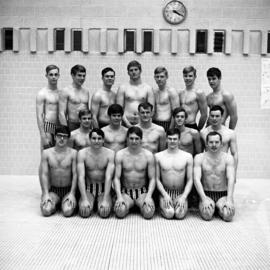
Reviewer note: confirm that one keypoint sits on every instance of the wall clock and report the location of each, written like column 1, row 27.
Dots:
column 174, row 12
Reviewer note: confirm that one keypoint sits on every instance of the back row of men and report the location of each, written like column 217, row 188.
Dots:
column 62, row 106
column 58, row 171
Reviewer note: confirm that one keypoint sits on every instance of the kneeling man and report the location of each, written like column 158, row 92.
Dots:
column 173, row 166
column 134, row 170
column 58, row 175
column 214, row 179
column 95, row 168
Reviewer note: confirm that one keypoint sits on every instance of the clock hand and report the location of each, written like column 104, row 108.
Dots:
column 176, row 12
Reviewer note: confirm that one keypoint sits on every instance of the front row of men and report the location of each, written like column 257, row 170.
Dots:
column 128, row 177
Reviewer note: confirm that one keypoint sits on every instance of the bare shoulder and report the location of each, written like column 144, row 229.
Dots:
column 108, row 152
column 186, row 155
column 198, row 158
column 147, row 153
column 96, row 95
column 106, row 129
column 172, row 90
column 74, row 133
column 228, row 158
column 82, row 152
column 158, row 128
column 73, row 152
column 159, row 155
column 121, row 153
column 200, row 93
column 193, row 131
column 227, row 96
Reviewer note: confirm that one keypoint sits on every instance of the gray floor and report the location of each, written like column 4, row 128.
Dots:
column 30, row 241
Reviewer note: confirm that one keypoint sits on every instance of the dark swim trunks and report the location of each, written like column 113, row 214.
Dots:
column 134, row 193
column 194, row 126
column 173, row 193
column 215, row 195
column 96, row 189
column 60, row 191
column 164, row 124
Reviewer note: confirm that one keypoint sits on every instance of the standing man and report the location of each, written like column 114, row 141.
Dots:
column 131, row 94
column 95, row 171
column 73, row 98
column 214, row 179
column 154, row 136
column 166, row 99
column 228, row 135
column 58, row 176
column 115, row 133
column 193, row 100
column 190, row 138
column 47, row 107
column 103, row 98
column 173, row 177
column 134, row 179
column 222, row 98
column 80, row 137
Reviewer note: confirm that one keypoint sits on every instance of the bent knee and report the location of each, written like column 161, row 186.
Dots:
column 181, row 213
column 47, row 210
column 227, row 216
column 167, row 212
column 147, row 211
column 104, row 214
column 206, row 214
column 121, row 211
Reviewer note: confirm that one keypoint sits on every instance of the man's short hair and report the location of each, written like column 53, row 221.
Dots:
column 50, row 67
column 189, row 69
column 84, row 112
column 173, row 131
column 115, row 108
column 145, row 106
column 105, row 70
column 63, row 130
column 135, row 130
column 213, row 133
column 134, row 63
column 161, row 69
column 178, row 110
column 213, row 72
column 98, row 131
column 77, row 68
column 216, row 108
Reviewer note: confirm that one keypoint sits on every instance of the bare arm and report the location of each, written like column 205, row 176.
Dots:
column 95, row 106
column 40, row 104
column 174, row 98
column 197, row 176
column 160, row 186
column 117, row 174
column 202, row 103
column 231, row 106
column 189, row 176
column 234, row 150
column 44, row 174
column 151, row 97
column 230, row 173
column 109, row 175
column 162, row 140
column 81, row 174
column 74, row 173
column 202, row 139
column 151, row 175
column 197, row 142
column 63, row 101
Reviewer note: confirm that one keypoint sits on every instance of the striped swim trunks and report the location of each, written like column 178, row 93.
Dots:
column 134, row 193
column 60, row 191
column 96, row 189
column 215, row 195
column 49, row 127
column 173, row 193
column 164, row 124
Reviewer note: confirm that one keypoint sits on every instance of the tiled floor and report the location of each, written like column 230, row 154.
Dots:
column 30, row 241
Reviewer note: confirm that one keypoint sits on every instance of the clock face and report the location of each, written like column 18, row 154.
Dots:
column 174, row 12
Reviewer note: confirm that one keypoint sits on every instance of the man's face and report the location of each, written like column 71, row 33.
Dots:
column 134, row 140
column 116, row 118
column 86, row 120
column 215, row 118
column 79, row 78
column 189, row 78
column 134, row 73
column 214, row 81
column 180, row 119
column 96, row 140
column 61, row 139
column 108, row 78
column 53, row 76
column 214, row 143
column 145, row 114
column 161, row 79
column 172, row 141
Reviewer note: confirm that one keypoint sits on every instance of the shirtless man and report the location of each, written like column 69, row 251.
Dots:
column 95, row 171
column 214, row 179
column 189, row 138
column 193, row 100
column 80, row 137
column 154, row 136
column 131, row 94
column 166, row 99
column 115, row 133
column 222, row 98
column 47, row 107
column 228, row 135
column 174, row 169
column 103, row 98
column 73, row 98
column 58, row 176
column 133, row 166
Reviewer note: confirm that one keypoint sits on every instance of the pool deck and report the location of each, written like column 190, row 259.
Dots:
column 31, row 241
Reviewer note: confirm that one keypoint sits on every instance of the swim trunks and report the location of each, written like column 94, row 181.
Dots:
column 49, row 127
column 60, row 191
column 102, row 124
column 173, row 193
column 194, row 126
column 72, row 125
column 164, row 124
column 215, row 195
column 96, row 189
column 134, row 193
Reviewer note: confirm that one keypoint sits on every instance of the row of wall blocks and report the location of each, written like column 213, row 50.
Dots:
column 139, row 33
